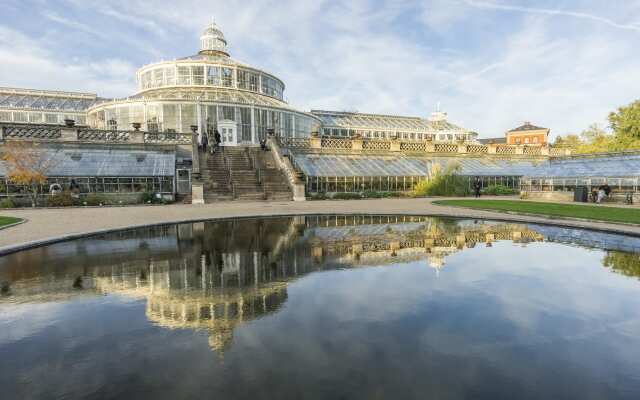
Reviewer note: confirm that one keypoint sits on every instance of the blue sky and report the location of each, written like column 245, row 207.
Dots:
column 492, row 64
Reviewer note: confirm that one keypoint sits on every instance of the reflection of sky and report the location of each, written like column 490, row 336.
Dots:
column 544, row 320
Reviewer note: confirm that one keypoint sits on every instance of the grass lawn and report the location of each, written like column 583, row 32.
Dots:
column 594, row 212
column 8, row 220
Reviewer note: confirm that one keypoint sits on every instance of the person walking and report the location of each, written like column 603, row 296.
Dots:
column 477, row 186
column 205, row 142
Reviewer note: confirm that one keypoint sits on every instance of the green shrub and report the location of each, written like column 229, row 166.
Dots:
column 7, row 203
column 347, row 196
column 148, row 197
column 95, row 199
column 498, row 190
column 443, row 183
column 63, row 199
column 318, row 196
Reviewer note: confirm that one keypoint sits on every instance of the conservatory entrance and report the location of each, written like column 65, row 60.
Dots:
column 228, row 132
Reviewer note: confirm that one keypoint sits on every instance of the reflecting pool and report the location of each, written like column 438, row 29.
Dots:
column 324, row 307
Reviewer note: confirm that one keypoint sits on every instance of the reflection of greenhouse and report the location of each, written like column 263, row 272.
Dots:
column 213, row 277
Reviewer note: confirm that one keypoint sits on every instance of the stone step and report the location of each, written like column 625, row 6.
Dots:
column 250, row 196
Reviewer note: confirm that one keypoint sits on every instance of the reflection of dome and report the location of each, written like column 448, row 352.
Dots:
column 436, row 261
column 217, row 313
column 220, row 339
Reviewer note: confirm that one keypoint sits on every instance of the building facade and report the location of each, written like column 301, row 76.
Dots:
column 528, row 134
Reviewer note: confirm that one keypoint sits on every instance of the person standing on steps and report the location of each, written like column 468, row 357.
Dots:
column 205, row 142
column 217, row 139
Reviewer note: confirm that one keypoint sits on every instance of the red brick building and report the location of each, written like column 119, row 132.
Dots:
column 528, row 134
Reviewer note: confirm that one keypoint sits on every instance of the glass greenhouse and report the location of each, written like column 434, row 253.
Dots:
column 353, row 173
column 101, row 170
column 207, row 90
column 376, row 126
column 621, row 171
column 44, row 106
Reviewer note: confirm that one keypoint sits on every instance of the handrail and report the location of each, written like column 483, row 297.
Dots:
column 228, row 168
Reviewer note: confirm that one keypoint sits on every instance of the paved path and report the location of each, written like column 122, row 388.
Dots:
column 47, row 225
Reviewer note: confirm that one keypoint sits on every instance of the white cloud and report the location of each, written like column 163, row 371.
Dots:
column 563, row 69
column 29, row 63
column 556, row 12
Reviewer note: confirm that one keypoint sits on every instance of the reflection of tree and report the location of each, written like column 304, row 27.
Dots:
column 623, row 263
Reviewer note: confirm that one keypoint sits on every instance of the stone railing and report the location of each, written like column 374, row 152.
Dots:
column 559, row 152
column 167, row 138
column 477, row 148
column 284, row 164
column 296, row 143
column 505, row 149
column 358, row 145
column 532, row 150
column 30, row 132
column 413, row 146
column 95, row 135
column 446, row 148
column 376, row 145
column 48, row 133
column 335, row 143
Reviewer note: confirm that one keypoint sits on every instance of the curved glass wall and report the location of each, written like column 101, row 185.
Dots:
column 223, row 76
column 253, row 123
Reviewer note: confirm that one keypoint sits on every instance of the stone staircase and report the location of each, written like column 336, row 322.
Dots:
column 274, row 182
column 243, row 173
column 215, row 175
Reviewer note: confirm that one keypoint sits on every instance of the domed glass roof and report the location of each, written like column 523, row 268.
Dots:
column 213, row 40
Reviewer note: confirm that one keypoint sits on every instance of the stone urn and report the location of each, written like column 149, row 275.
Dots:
column 136, row 126
column 69, row 123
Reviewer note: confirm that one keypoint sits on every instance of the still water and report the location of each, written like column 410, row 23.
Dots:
column 313, row 307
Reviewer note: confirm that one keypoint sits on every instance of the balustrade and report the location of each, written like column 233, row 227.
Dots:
column 413, row 146
column 333, row 143
column 505, row 149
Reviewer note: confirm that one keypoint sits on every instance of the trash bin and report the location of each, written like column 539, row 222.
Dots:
column 581, row 194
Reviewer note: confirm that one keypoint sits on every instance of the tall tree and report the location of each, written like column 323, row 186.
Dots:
column 27, row 166
column 626, row 122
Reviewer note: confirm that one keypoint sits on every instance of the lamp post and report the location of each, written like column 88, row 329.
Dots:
column 195, row 153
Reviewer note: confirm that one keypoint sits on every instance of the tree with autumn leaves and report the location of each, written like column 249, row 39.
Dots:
column 625, row 133
column 27, row 166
